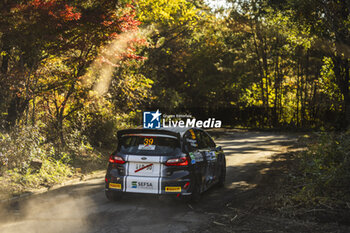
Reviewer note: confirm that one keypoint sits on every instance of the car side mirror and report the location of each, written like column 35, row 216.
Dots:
column 218, row 148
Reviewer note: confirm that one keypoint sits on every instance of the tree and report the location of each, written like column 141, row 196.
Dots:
column 51, row 47
column 329, row 21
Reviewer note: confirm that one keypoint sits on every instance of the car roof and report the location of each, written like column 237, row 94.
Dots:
column 176, row 131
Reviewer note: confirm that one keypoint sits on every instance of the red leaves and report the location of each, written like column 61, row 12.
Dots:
column 122, row 21
column 128, row 21
column 68, row 13
column 57, row 21
column 56, row 9
column 130, row 53
column 139, row 41
column 40, row 4
column 107, row 23
column 60, row 11
column 135, row 57
column 130, row 6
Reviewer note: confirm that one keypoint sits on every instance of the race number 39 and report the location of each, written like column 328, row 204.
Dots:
column 148, row 141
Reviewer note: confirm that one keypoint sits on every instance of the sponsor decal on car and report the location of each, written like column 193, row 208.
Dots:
column 115, row 186
column 193, row 135
column 172, row 189
column 146, row 185
column 147, row 144
column 192, row 142
column 193, row 158
column 211, row 156
column 147, row 167
column 141, row 184
column 146, row 147
column 198, row 156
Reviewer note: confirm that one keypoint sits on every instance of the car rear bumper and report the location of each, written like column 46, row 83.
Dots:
column 160, row 185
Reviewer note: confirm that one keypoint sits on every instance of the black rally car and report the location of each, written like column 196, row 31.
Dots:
column 180, row 161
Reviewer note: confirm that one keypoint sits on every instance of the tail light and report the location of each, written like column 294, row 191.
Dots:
column 186, row 185
column 116, row 159
column 183, row 161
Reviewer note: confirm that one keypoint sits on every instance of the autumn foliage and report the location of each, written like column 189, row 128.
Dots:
column 77, row 71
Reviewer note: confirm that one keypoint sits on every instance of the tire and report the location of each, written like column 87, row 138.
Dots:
column 195, row 196
column 222, row 177
column 113, row 196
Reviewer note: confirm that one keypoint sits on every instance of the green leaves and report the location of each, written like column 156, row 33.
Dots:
column 167, row 12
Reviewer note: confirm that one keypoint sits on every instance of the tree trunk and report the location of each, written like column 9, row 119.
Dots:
column 298, row 91
column 277, row 81
column 341, row 72
column 346, row 92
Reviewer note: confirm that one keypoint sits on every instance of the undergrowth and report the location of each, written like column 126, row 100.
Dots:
column 34, row 156
column 325, row 171
column 317, row 181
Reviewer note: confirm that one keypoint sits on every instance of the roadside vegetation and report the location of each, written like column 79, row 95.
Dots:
column 326, row 171
column 72, row 73
column 319, row 178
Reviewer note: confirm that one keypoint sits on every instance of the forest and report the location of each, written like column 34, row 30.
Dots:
column 72, row 73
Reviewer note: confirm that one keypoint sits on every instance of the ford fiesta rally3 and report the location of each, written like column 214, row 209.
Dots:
column 181, row 161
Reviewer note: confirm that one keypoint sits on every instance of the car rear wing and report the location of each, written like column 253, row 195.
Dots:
column 148, row 131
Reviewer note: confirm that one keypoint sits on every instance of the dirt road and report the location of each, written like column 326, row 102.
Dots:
column 84, row 208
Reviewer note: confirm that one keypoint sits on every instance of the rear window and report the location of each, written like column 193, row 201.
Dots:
column 149, row 145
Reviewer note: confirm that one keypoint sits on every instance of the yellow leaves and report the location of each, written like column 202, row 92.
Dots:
column 296, row 35
column 168, row 12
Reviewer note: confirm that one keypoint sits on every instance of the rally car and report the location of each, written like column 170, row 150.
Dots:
column 183, row 162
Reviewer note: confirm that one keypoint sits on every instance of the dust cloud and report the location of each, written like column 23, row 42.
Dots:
column 62, row 213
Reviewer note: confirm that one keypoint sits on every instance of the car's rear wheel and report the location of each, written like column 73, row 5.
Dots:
column 113, row 196
column 222, row 176
column 195, row 195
